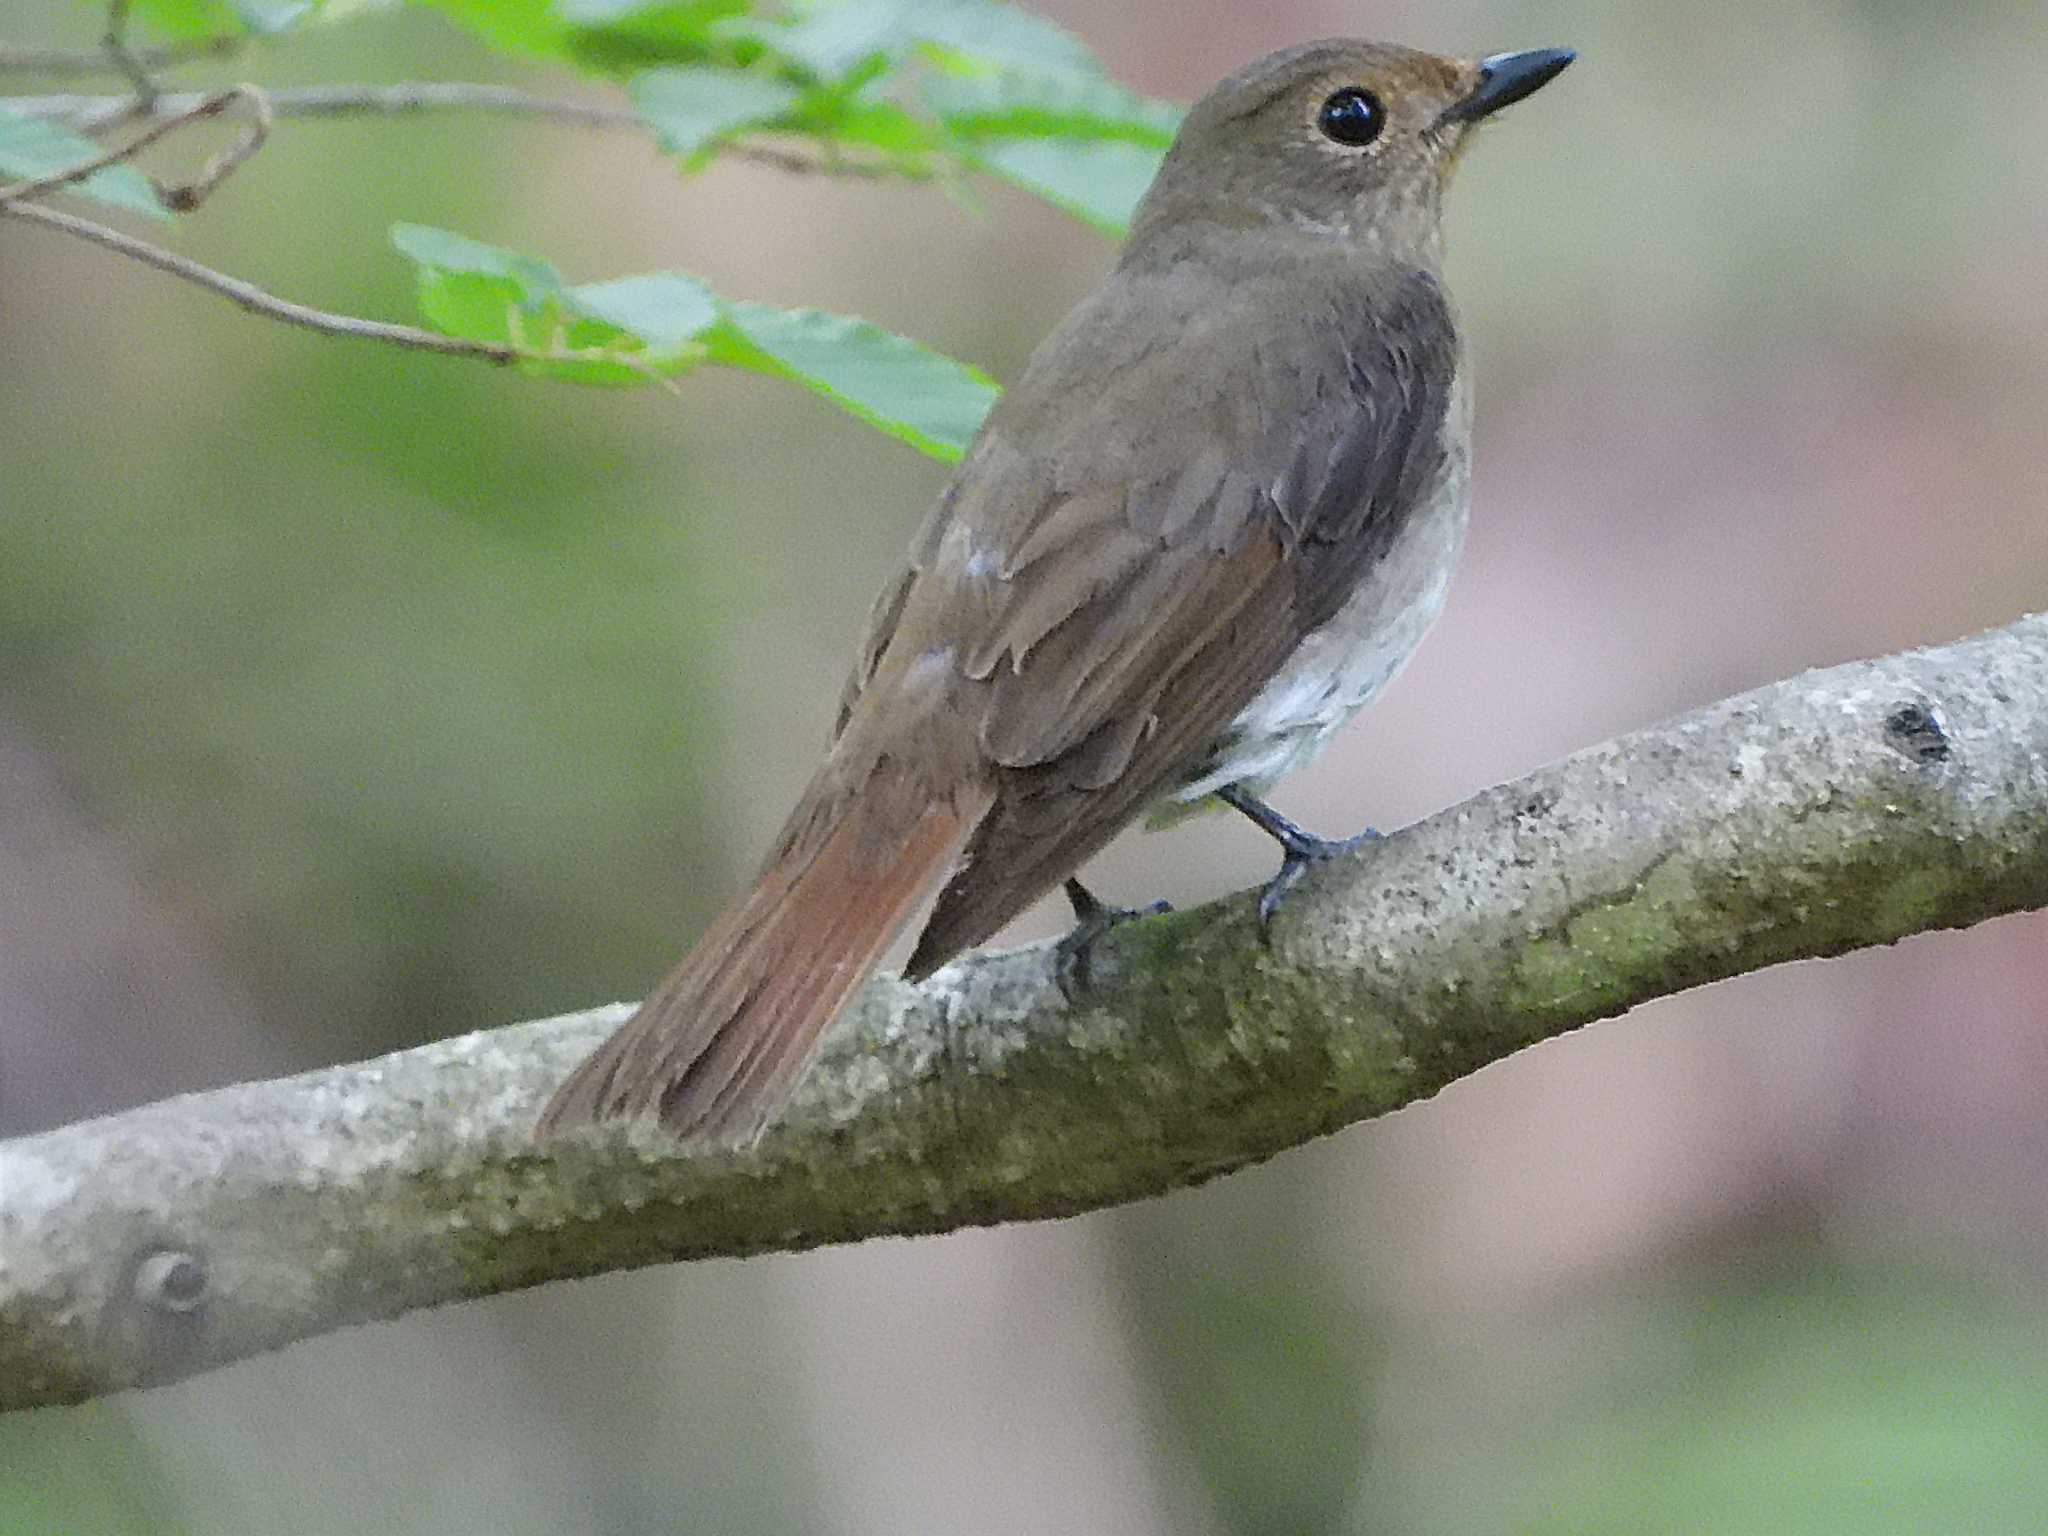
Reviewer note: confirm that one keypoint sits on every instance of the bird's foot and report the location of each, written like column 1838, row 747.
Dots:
column 1092, row 919
column 1300, row 850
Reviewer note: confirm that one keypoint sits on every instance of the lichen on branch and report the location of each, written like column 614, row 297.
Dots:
column 1844, row 808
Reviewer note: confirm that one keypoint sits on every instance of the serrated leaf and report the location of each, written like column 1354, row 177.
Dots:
column 663, row 309
column 31, row 148
column 1099, row 183
column 910, row 392
column 692, row 107
column 1017, row 103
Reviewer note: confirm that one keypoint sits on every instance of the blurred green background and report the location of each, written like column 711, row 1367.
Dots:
column 351, row 698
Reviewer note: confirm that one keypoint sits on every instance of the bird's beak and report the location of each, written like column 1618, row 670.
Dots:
column 1508, row 77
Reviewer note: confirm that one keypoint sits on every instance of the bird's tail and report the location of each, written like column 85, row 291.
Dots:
column 715, row 1049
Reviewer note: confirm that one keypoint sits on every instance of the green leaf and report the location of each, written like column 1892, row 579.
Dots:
column 437, row 249
column 487, row 293
column 835, row 38
column 531, row 26
column 268, row 18
column 599, row 13
column 910, row 392
column 631, row 329
column 830, row 41
column 1098, row 182
column 31, row 148
column 691, row 108
column 613, row 36
column 664, row 309
column 623, row 36
column 994, row 33
column 838, row 117
column 1018, row 103
column 188, row 18
column 258, row 18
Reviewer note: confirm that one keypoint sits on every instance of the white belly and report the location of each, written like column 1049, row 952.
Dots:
column 1340, row 668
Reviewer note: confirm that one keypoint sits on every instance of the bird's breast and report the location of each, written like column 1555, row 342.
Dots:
column 1340, row 667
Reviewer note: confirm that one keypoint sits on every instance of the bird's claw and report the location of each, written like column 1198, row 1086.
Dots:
column 1300, row 850
column 1093, row 918
column 1300, row 855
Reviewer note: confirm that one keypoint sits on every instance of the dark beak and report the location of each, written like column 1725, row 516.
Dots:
column 1508, row 77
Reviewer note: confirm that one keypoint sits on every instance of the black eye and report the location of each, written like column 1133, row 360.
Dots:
column 1352, row 116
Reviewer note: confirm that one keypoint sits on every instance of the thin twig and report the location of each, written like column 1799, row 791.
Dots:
column 181, row 196
column 129, row 63
column 90, row 114
column 189, row 195
column 255, row 299
column 75, row 62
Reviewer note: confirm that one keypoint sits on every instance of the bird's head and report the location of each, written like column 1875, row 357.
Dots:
column 1341, row 139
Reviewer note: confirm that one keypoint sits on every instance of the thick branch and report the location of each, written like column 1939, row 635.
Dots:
column 1844, row 808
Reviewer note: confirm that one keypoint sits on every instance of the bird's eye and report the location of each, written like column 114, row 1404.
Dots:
column 1352, row 116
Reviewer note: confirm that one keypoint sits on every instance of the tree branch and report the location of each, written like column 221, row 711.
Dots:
column 96, row 61
column 183, row 196
column 125, row 59
column 250, row 297
column 1845, row 808
column 90, row 114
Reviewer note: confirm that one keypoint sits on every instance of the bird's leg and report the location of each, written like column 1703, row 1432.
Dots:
column 1092, row 919
column 1299, row 850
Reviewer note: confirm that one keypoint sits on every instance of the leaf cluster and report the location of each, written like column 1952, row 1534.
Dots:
column 940, row 91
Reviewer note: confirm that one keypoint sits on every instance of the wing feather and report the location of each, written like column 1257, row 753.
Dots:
column 1130, row 552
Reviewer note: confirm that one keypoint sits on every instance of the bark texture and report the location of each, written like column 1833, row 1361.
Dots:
column 1845, row 808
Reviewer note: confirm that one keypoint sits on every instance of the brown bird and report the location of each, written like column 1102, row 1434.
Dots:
column 1212, row 520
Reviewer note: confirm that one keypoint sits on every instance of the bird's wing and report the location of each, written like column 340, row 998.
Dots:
column 1124, row 591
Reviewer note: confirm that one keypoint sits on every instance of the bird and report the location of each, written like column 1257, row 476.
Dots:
column 1209, row 522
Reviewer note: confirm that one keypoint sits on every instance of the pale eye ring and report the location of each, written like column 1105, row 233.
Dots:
column 1352, row 117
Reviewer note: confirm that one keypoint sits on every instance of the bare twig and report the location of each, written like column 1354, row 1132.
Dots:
column 126, row 61
column 183, row 196
column 186, row 196
column 90, row 114
column 1845, row 808
column 252, row 298
column 75, row 62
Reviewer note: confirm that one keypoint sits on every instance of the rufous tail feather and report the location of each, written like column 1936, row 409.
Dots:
column 716, row 1048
